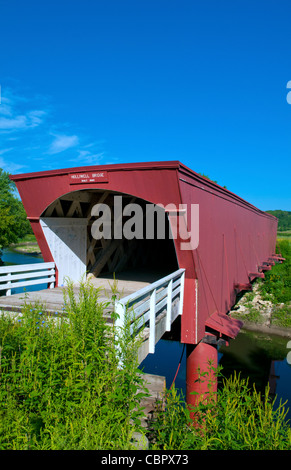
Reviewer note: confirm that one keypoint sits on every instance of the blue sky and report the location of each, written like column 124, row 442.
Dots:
column 116, row 81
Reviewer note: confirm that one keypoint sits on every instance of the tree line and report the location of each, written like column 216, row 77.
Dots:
column 284, row 219
column 14, row 224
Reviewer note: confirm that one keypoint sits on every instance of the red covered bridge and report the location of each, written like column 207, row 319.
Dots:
column 233, row 242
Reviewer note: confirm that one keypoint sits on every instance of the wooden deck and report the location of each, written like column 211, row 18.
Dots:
column 53, row 299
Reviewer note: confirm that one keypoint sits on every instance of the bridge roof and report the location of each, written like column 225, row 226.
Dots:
column 141, row 166
column 111, row 167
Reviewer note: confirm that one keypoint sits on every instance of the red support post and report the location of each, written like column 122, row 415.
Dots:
column 201, row 359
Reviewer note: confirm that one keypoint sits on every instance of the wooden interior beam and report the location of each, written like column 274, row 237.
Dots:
column 96, row 200
column 59, row 209
column 75, row 207
column 128, row 252
column 104, row 256
column 50, row 209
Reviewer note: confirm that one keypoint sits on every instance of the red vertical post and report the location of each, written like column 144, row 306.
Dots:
column 201, row 358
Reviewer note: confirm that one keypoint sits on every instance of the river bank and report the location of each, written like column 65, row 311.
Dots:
column 29, row 248
column 271, row 330
column 262, row 315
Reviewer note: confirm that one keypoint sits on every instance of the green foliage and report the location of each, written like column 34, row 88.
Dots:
column 274, row 288
column 169, row 428
column 281, row 316
column 6, row 227
column 277, row 283
column 62, row 386
column 14, row 224
column 234, row 418
column 284, row 219
column 207, row 177
column 254, row 315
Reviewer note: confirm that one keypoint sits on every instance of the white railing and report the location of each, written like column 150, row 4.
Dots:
column 24, row 275
column 149, row 302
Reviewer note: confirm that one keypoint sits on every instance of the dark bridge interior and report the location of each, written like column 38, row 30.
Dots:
column 139, row 256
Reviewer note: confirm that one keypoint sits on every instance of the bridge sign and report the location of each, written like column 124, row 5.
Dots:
column 88, row 177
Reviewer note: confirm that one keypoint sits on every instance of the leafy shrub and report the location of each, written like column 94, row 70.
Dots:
column 277, row 283
column 62, row 386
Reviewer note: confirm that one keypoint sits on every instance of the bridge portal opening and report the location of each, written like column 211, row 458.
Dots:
column 104, row 233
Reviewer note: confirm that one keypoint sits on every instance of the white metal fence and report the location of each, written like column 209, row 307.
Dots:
column 25, row 275
column 149, row 302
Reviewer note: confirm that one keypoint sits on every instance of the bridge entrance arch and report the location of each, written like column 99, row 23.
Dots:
column 99, row 233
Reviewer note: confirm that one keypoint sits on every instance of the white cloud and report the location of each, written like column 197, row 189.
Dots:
column 14, row 118
column 5, row 109
column 87, row 158
column 2, row 151
column 21, row 122
column 10, row 166
column 63, row 142
column 30, row 133
column 14, row 123
column 35, row 118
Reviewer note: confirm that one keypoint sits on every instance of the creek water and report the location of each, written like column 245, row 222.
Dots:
column 260, row 357
column 10, row 257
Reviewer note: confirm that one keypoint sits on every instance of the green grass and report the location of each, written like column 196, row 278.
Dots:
column 277, row 283
column 284, row 234
column 28, row 238
column 276, row 286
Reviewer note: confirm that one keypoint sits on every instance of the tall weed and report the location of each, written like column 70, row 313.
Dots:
column 235, row 417
column 277, row 283
column 62, row 386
